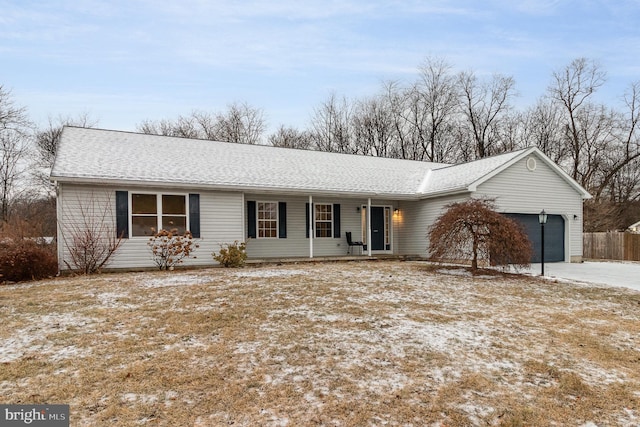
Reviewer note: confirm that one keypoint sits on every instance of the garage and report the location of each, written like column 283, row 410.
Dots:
column 553, row 236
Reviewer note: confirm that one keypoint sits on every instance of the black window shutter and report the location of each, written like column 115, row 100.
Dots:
column 122, row 214
column 194, row 215
column 282, row 220
column 336, row 221
column 251, row 219
column 306, row 214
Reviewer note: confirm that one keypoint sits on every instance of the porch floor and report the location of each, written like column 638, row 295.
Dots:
column 342, row 258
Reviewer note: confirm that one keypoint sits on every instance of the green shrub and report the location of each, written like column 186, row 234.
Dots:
column 231, row 254
column 26, row 260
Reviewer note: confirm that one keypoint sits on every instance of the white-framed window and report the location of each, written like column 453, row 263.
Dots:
column 151, row 212
column 323, row 218
column 267, row 214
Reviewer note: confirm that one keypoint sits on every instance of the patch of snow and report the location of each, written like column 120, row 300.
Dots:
column 630, row 418
column 111, row 300
column 35, row 339
column 476, row 412
column 169, row 397
column 270, row 272
column 69, row 352
column 174, row 280
column 184, row 344
column 142, row 398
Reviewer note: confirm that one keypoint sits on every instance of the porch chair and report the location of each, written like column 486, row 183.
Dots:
column 351, row 243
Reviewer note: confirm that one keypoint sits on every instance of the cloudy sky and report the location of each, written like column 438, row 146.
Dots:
column 124, row 61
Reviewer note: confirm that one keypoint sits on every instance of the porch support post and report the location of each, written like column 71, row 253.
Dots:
column 243, row 218
column 369, row 226
column 311, row 226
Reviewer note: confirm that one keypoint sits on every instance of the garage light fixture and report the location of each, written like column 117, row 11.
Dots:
column 542, row 217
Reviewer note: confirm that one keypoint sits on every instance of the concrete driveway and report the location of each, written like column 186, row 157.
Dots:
column 610, row 273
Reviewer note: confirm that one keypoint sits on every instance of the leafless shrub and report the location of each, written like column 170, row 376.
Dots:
column 90, row 237
column 473, row 229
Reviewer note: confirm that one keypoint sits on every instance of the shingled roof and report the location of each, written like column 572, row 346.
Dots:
column 125, row 158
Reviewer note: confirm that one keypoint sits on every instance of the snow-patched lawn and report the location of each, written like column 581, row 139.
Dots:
column 358, row 343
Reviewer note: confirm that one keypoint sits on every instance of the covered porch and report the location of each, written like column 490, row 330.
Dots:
column 316, row 226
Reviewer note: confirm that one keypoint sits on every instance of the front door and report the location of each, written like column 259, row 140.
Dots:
column 377, row 228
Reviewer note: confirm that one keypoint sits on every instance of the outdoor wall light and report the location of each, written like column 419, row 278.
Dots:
column 575, row 217
column 358, row 209
column 396, row 211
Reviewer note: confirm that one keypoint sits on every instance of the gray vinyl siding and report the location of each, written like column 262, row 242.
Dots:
column 220, row 222
column 519, row 190
column 416, row 218
column 516, row 190
column 296, row 244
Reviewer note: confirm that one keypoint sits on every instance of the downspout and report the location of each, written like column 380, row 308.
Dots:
column 369, row 226
column 310, row 226
column 59, row 243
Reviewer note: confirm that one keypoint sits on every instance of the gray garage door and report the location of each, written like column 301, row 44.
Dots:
column 553, row 236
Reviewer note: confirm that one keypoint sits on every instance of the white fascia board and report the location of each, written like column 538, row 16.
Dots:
column 234, row 188
column 448, row 192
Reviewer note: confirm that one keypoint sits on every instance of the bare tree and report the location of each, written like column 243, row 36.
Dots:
column 331, row 126
column 571, row 88
column 372, row 128
column 395, row 100
column 484, row 103
column 32, row 216
column 14, row 149
column 290, row 137
column 440, row 99
column 182, row 127
column 241, row 123
column 542, row 126
column 48, row 137
column 420, row 122
column 623, row 155
column 13, row 156
column 12, row 117
column 46, row 144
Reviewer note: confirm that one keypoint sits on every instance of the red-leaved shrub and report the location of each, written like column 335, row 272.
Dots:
column 26, row 260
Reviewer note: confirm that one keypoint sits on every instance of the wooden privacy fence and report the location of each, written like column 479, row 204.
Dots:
column 621, row 246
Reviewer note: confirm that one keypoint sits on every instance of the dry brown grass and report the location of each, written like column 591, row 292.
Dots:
column 349, row 344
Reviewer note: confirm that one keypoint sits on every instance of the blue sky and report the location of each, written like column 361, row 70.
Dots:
column 124, row 61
